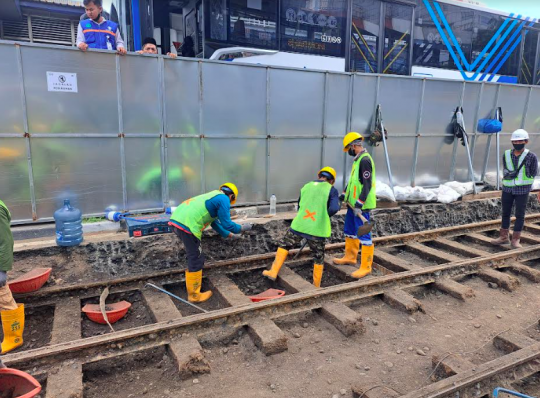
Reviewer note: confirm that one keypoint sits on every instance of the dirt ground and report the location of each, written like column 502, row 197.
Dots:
column 395, row 351
column 95, row 261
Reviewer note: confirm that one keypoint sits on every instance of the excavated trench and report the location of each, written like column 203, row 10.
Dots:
column 113, row 259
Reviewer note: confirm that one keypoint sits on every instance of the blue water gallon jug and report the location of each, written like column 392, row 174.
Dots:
column 68, row 221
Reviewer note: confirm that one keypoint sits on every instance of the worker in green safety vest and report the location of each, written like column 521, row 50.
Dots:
column 12, row 314
column 520, row 169
column 191, row 218
column 360, row 198
column 318, row 201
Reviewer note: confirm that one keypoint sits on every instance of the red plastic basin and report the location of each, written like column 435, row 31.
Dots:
column 114, row 312
column 31, row 281
column 19, row 384
column 268, row 295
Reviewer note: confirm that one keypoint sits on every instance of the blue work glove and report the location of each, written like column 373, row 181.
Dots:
column 3, row 278
column 246, row 227
column 342, row 197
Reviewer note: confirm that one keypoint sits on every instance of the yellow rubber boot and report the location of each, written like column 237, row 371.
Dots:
column 317, row 274
column 281, row 256
column 13, row 326
column 367, row 261
column 193, row 286
column 352, row 246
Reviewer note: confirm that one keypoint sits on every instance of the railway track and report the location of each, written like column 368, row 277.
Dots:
column 436, row 258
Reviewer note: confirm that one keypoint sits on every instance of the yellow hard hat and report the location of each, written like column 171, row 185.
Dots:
column 350, row 137
column 328, row 170
column 234, row 190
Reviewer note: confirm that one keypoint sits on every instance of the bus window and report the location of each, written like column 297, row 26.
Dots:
column 314, row 27
column 366, row 21
column 253, row 23
column 529, row 58
column 486, row 26
column 397, row 39
column 430, row 48
column 217, row 20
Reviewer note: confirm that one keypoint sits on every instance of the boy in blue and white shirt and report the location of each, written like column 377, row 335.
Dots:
column 97, row 32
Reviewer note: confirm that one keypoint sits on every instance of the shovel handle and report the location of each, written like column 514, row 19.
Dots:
column 364, row 220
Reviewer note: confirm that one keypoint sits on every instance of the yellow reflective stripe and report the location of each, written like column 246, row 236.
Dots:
column 362, row 53
column 395, row 45
column 397, row 56
column 110, row 32
column 362, row 37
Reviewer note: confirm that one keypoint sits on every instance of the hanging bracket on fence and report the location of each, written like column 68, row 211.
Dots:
column 458, row 127
column 380, row 126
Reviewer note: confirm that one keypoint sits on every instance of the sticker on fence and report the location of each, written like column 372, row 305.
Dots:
column 61, row 82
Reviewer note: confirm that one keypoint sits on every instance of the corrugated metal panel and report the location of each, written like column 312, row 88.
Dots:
column 75, row 3
column 39, row 29
column 51, row 30
column 16, row 30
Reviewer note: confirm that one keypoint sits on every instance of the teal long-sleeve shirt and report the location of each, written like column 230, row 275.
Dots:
column 220, row 207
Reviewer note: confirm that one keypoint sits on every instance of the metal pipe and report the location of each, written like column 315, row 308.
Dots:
column 267, row 131
column 163, row 137
column 387, row 156
column 526, row 109
column 349, row 125
column 323, row 127
column 498, row 140
column 417, row 138
column 455, row 145
column 176, row 297
column 475, row 124
column 26, row 134
column 201, row 127
column 121, row 133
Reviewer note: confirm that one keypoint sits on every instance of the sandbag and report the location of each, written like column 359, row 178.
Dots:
column 383, row 191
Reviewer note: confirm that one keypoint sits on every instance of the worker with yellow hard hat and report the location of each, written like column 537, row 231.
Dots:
column 318, row 201
column 360, row 197
column 189, row 221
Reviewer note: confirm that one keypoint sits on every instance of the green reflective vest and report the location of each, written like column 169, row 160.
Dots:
column 6, row 239
column 522, row 178
column 193, row 213
column 354, row 189
column 312, row 218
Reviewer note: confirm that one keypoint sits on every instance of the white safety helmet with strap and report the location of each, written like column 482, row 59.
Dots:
column 520, row 135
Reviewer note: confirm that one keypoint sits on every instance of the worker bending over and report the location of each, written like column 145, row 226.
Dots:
column 360, row 198
column 520, row 168
column 191, row 218
column 317, row 203
column 11, row 313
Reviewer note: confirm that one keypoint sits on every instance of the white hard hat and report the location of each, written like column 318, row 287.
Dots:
column 519, row 135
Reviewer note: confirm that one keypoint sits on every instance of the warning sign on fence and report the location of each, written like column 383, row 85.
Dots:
column 62, row 82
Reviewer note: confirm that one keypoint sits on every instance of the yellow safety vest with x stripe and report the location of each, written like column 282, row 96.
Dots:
column 312, row 218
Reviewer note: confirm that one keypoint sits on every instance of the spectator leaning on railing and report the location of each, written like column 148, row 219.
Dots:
column 150, row 47
column 97, row 32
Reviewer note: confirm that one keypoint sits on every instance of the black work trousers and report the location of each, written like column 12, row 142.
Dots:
column 508, row 199
column 192, row 245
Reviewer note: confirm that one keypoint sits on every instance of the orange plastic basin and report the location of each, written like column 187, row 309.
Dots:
column 268, row 295
column 115, row 312
column 17, row 384
column 31, row 281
